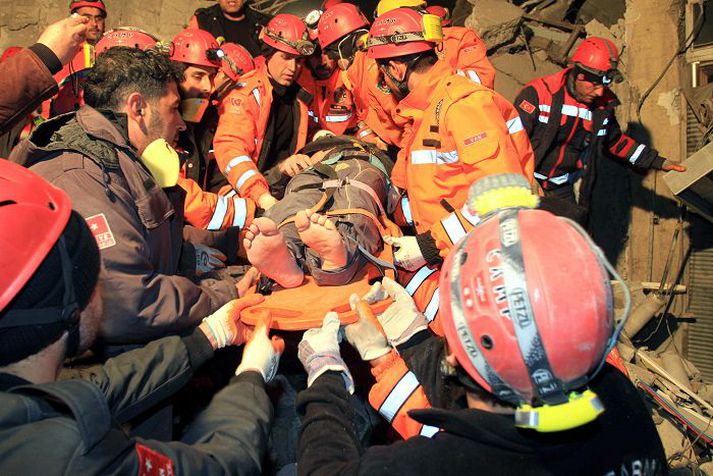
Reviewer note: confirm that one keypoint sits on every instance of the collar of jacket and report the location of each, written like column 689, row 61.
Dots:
column 421, row 96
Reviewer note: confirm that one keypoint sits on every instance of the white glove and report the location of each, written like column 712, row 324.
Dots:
column 408, row 254
column 402, row 319
column 208, row 259
column 319, row 351
column 261, row 353
column 365, row 335
column 224, row 328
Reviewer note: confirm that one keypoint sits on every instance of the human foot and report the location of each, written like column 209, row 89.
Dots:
column 319, row 233
column 267, row 251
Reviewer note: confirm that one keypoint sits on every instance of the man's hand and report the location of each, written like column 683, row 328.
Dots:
column 261, row 353
column 65, row 37
column 402, row 319
column 294, row 164
column 208, row 259
column 224, row 327
column 266, row 201
column 668, row 166
column 247, row 281
column 408, row 254
column 319, row 351
column 364, row 335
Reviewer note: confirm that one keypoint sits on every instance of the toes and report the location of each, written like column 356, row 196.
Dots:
column 302, row 220
column 314, row 217
column 329, row 224
column 247, row 242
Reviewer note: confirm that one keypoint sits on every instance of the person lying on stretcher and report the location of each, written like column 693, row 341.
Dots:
column 327, row 222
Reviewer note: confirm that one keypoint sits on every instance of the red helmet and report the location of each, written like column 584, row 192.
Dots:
column 442, row 12
column 125, row 36
column 327, row 4
column 526, row 306
column 27, row 204
column 77, row 4
column 338, row 21
column 598, row 56
column 402, row 32
column 236, row 60
column 195, row 47
column 287, row 33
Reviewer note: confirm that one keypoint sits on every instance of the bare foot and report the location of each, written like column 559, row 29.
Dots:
column 267, row 251
column 319, row 233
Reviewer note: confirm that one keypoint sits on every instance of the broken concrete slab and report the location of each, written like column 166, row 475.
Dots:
column 496, row 21
column 515, row 70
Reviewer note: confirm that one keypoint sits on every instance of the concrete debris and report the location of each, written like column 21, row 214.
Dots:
column 671, row 102
column 496, row 21
column 515, row 70
column 597, row 28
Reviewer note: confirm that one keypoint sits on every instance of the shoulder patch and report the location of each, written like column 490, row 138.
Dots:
column 476, row 138
column 527, row 106
column 99, row 227
column 153, row 463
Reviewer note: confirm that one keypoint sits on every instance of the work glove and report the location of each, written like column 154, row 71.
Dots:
column 408, row 254
column 402, row 319
column 261, row 353
column 319, row 352
column 208, row 259
column 668, row 166
column 366, row 335
column 224, row 328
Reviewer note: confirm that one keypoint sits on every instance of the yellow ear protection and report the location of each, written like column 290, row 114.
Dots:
column 163, row 162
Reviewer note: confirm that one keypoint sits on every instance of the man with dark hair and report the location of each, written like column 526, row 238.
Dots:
column 95, row 13
column 232, row 20
column 113, row 158
column 50, row 308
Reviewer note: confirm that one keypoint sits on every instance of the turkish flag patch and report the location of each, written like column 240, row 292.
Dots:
column 101, row 231
column 152, row 463
column 527, row 107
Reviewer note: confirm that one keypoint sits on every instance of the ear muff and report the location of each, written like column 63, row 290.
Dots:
column 432, row 29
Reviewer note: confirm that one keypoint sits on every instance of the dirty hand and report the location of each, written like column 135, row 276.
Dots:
column 64, row 37
column 668, row 166
column 408, row 254
column 261, row 353
column 293, row 164
column 247, row 281
column 208, row 259
column 265, row 201
column 402, row 319
column 224, row 328
column 364, row 335
column 319, row 351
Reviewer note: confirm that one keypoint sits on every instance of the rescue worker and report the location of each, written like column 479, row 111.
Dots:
column 264, row 121
column 233, row 21
column 456, row 131
column 198, row 54
column 26, row 78
column 51, row 307
column 461, row 47
column 95, row 12
column 530, row 395
column 571, row 121
column 124, row 186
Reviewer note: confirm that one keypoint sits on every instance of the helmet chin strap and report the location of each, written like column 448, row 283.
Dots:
column 402, row 86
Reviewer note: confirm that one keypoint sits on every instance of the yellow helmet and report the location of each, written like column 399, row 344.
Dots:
column 388, row 5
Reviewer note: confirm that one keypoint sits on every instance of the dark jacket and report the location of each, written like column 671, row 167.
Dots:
column 72, row 426
column 621, row 440
column 149, row 290
column 25, row 81
column 211, row 19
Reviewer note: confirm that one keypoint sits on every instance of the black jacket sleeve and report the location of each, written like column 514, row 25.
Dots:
column 624, row 147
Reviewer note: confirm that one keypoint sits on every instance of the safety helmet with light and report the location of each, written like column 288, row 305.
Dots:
column 196, row 47
column 402, row 32
column 526, row 322
column 287, row 33
column 237, row 60
column 338, row 21
column 442, row 12
column 125, row 36
column 598, row 59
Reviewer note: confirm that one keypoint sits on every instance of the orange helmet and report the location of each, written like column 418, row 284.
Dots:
column 525, row 320
column 236, row 60
column 402, row 32
column 598, row 57
column 195, row 47
column 125, row 36
column 442, row 12
column 287, row 33
column 338, row 21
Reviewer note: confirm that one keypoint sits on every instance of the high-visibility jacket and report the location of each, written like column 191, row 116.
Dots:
column 239, row 140
column 423, row 285
column 467, row 54
column 566, row 133
column 212, row 211
column 457, row 131
column 374, row 101
column 332, row 106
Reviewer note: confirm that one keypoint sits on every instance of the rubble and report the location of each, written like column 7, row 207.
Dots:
column 496, row 21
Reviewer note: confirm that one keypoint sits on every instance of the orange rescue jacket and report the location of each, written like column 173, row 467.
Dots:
column 212, row 211
column 467, row 54
column 238, row 141
column 332, row 106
